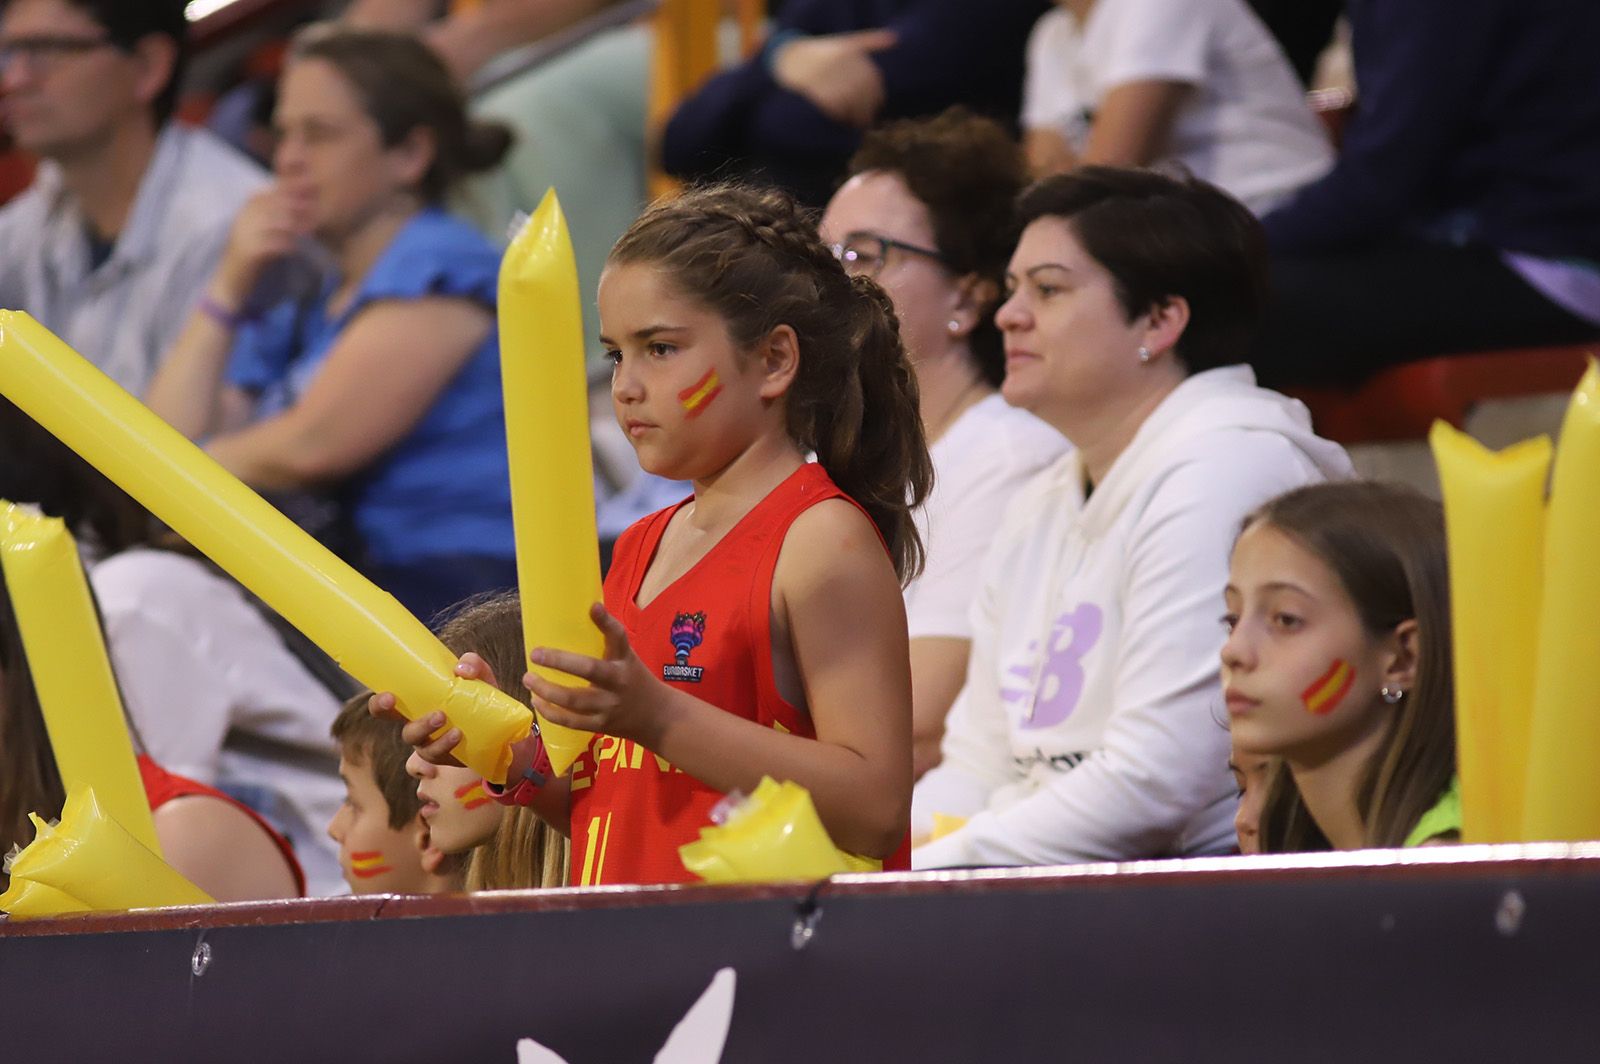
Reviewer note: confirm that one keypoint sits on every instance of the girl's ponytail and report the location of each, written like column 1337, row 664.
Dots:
column 867, row 431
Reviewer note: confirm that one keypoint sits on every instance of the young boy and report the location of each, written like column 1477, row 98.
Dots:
column 383, row 841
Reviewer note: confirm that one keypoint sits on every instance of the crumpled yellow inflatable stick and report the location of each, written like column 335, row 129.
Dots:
column 1563, row 796
column 547, row 438
column 1494, row 520
column 67, row 657
column 359, row 625
column 27, row 900
column 774, row 835
column 93, row 859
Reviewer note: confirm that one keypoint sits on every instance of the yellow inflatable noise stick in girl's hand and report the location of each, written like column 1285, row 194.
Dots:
column 547, row 439
column 359, row 625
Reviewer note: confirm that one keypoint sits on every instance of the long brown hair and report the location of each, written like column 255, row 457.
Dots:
column 37, row 468
column 524, row 851
column 30, row 782
column 753, row 257
column 1386, row 544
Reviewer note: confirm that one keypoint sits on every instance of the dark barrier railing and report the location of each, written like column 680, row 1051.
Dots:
column 1461, row 954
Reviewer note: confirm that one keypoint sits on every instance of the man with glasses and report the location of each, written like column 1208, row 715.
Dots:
column 130, row 211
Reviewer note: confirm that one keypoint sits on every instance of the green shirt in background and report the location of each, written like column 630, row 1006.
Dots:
column 1443, row 818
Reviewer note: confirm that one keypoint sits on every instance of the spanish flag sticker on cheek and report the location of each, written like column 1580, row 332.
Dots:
column 368, row 863
column 472, row 796
column 700, row 394
column 1329, row 689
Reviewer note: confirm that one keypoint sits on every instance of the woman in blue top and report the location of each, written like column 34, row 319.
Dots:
column 372, row 385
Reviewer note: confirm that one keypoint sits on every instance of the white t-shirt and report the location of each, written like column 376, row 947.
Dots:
column 1091, row 725
column 1244, row 125
column 197, row 662
column 978, row 464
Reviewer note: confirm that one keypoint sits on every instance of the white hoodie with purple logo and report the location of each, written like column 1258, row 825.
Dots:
column 1091, row 726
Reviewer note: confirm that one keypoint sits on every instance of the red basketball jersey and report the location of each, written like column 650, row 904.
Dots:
column 709, row 633
column 161, row 787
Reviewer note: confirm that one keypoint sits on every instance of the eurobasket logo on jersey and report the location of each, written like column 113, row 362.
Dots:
column 688, row 631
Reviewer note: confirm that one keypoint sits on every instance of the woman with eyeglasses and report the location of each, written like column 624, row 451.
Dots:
column 1088, row 726
column 926, row 213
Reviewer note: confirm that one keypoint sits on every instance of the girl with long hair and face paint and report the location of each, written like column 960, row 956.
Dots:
column 1338, row 664
column 757, row 628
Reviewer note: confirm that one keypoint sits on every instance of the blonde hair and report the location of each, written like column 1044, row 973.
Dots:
column 524, row 852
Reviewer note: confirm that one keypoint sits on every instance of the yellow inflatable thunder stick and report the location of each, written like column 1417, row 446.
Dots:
column 27, row 900
column 94, row 860
column 1494, row 521
column 547, row 437
column 356, row 623
column 1563, row 796
column 67, row 656
column 772, row 836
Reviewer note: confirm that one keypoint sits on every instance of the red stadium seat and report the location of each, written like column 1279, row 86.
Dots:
column 1401, row 402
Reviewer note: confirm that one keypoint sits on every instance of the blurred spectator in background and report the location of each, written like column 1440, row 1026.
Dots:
column 927, row 214
column 579, row 116
column 466, row 35
column 1304, row 28
column 1464, row 211
column 1196, row 82
column 794, row 114
column 130, row 210
column 372, row 384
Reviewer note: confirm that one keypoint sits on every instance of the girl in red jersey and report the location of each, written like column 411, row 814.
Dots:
column 755, row 629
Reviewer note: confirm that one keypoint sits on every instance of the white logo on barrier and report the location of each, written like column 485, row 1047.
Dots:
column 698, row 1038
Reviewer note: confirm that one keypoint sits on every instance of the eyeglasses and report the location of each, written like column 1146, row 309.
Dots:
column 44, row 52
column 865, row 254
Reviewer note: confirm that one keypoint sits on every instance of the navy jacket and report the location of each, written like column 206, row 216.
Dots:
column 948, row 52
column 1478, row 123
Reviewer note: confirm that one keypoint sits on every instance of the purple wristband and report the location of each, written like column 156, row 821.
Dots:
column 228, row 319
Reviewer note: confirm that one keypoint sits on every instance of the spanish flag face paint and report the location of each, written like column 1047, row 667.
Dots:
column 369, row 863
column 1329, row 689
column 701, row 394
column 458, row 810
column 472, row 795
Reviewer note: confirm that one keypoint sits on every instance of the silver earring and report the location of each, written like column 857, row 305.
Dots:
column 953, row 325
column 1391, row 695
column 1144, row 354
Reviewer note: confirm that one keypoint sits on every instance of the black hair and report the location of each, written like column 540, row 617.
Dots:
column 1163, row 236
column 127, row 22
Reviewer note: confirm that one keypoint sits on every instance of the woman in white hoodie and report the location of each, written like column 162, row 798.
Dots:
column 1091, row 724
